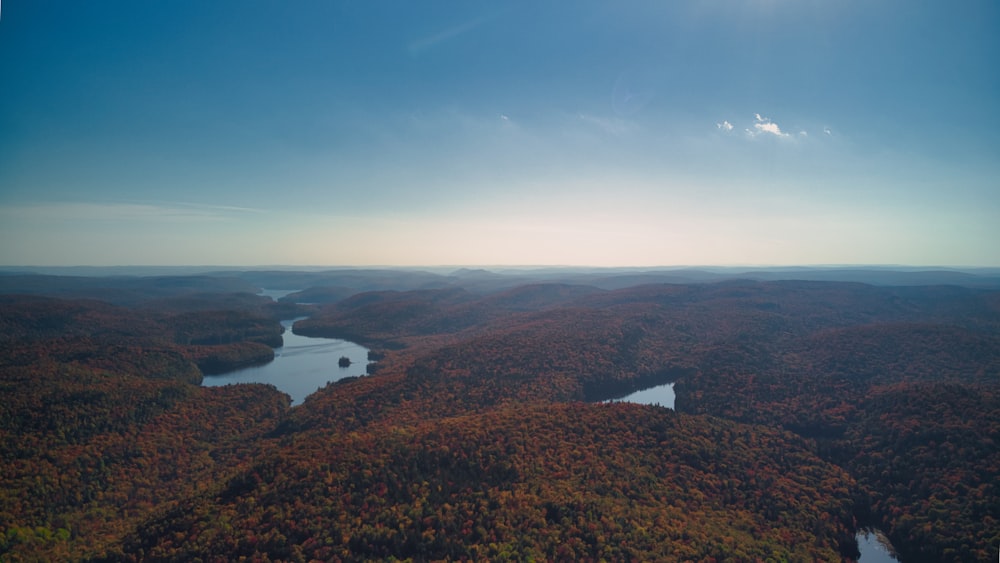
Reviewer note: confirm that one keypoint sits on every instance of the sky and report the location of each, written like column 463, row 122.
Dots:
column 356, row 133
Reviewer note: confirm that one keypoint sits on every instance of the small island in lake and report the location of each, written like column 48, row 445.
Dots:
column 344, row 362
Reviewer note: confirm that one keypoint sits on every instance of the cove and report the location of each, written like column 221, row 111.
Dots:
column 301, row 365
column 661, row 395
column 874, row 547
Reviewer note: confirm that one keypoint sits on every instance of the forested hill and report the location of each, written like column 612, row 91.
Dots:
column 805, row 410
column 328, row 285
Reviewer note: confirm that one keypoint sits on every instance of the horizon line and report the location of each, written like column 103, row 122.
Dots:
column 500, row 266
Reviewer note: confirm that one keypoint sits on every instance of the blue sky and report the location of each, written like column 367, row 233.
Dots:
column 702, row 132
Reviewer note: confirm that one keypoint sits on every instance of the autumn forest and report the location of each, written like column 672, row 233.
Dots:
column 806, row 410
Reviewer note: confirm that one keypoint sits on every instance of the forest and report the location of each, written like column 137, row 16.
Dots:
column 806, row 410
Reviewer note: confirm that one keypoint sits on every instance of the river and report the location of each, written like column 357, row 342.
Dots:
column 874, row 547
column 660, row 395
column 302, row 365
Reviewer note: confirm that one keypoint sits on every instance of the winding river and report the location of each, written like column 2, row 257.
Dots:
column 660, row 395
column 874, row 547
column 302, row 365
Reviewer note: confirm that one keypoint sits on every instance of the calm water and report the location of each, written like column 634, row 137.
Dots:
column 302, row 365
column 662, row 395
column 276, row 294
column 872, row 550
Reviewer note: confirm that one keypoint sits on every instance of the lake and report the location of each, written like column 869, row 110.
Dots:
column 302, row 365
column 870, row 542
column 661, row 395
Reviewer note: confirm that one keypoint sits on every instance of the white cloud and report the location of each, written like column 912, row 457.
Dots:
column 762, row 125
column 771, row 128
column 765, row 125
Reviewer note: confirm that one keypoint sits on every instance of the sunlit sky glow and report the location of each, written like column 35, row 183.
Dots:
column 728, row 132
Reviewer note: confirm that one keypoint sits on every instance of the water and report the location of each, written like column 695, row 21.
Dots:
column 302, row 365
column 661, row 395
column 872, row 549
column 276, row 294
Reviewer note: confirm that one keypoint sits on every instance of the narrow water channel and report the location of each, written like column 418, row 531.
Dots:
column 874, row 547
column 661, row 395
column 302, row 365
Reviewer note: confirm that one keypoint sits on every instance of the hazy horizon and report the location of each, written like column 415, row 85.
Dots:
column 502, row 268
column 635, row 134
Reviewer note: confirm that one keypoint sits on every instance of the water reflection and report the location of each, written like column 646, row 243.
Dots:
column 661, row 395
column 301, row 366
column 874, row 547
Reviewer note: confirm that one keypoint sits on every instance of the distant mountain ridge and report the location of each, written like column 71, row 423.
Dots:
column 332, row 285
